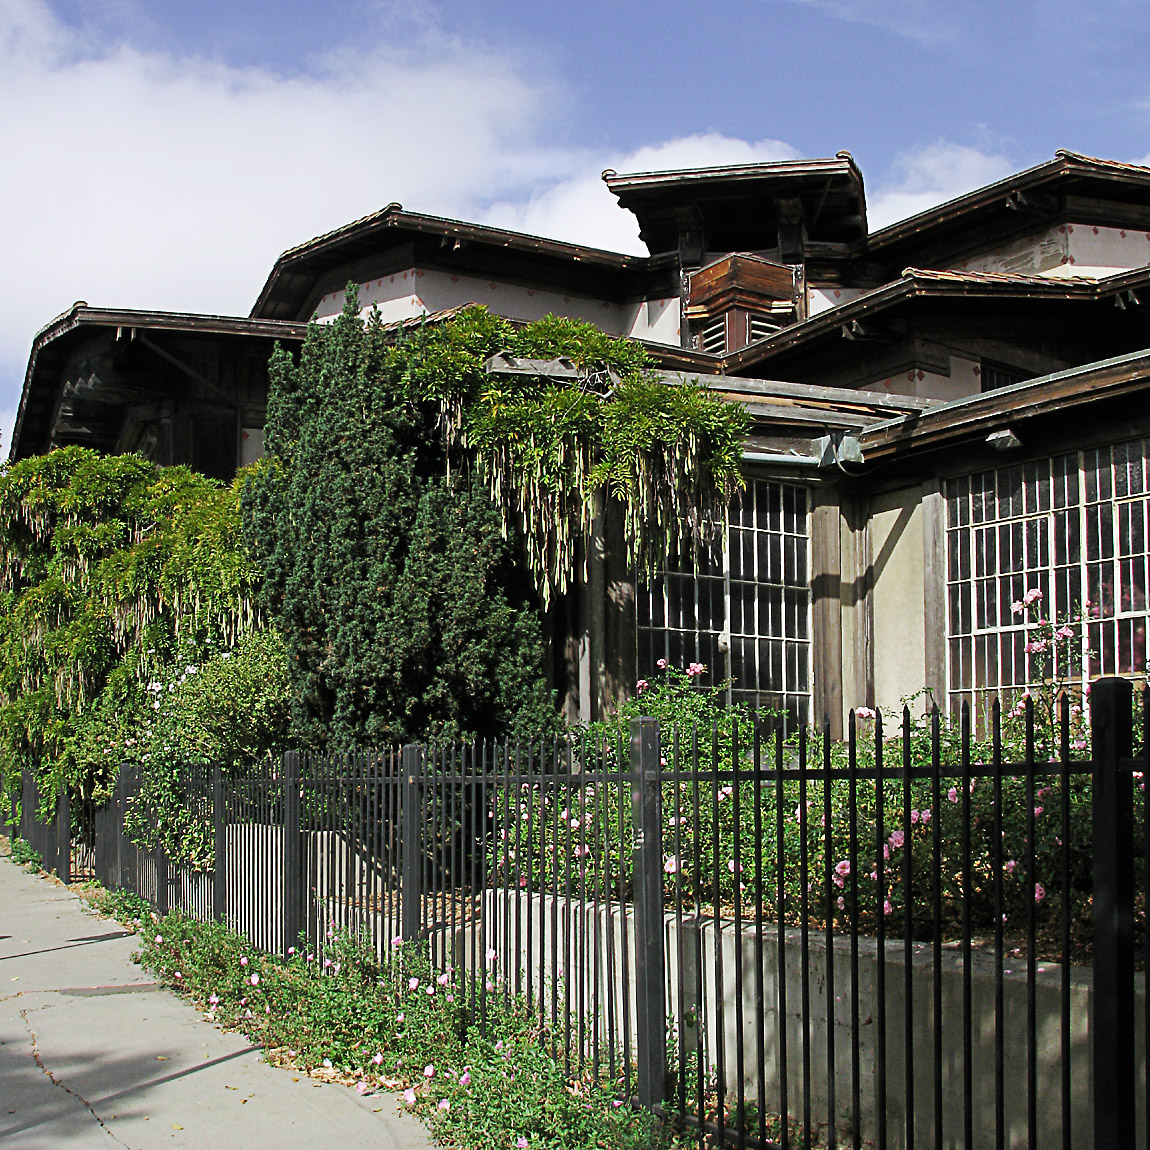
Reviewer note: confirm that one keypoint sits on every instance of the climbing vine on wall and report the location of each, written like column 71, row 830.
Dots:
column 109, row 567
column 550, row 450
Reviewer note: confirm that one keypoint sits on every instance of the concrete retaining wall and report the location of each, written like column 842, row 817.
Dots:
column 589, row 947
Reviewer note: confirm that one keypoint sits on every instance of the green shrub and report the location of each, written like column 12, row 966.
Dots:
column 25, row 855
column 582, row 834
column 228, row 705
column 402, row 608
column 415, row 512
column 108, row 567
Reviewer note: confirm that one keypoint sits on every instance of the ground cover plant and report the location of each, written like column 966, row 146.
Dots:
column 387, row 1030
column 26, row 855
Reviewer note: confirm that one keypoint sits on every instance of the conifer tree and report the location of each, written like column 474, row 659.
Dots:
column 404, row 613
column 416, row 512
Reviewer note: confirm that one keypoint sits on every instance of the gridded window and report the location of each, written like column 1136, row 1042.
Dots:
column 1073, row 526
column 994, row 376
column 754, row 593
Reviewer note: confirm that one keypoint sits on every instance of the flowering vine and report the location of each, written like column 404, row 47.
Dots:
column 1054, row 655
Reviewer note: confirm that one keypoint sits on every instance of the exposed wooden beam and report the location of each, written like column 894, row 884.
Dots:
column 218, row 392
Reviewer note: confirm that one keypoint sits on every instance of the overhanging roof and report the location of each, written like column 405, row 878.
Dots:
column 476, row 248
column 1070, row 183
column 976, row 416
column 778, row 405
column 920, row 283
column 54, row 342
column 744, row 198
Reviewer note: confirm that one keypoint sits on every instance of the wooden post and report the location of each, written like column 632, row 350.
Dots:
column 650, row 959
column 1112, row 1028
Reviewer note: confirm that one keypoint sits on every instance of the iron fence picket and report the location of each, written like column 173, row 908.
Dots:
column 472, row 853
column 908, row 933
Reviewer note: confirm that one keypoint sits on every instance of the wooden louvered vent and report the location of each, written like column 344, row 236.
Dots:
column 738, row 300
column 713, row 338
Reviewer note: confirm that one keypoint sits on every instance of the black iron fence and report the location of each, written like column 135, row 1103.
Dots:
column 772, row 942
column 47, row 832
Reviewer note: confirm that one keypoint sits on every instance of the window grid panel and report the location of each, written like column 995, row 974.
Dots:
column 757, row 592
column 1076, row 527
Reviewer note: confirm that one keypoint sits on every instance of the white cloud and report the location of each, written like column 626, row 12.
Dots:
column 924, row 20
column 143, row 179
column 581, row 209
column 137, row 179
column 149, row 180
column 930, row 175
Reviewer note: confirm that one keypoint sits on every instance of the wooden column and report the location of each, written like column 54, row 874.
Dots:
column 826, row 609
column 934, row 589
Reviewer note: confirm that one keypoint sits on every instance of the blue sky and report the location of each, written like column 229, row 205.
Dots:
column 161, row 154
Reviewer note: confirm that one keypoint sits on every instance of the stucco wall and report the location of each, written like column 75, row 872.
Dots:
column 825, row 297
column 417, row 291
column 896, row 563
column 1066, row 250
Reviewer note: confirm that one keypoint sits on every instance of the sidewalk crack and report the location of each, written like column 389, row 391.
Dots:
column 67, row 1089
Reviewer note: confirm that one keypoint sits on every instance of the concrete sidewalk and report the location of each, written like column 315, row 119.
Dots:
column 94, row 1054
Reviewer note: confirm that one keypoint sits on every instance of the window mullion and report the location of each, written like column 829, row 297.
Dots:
column 1083, row 572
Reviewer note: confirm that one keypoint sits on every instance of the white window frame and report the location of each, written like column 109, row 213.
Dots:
column 780, row 610
column 1079, row 523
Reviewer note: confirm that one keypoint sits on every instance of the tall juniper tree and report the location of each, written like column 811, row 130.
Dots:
column 415, row 511
column 404, row 612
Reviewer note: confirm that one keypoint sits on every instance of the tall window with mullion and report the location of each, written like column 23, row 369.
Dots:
column 745, row 614
column 1074, row 527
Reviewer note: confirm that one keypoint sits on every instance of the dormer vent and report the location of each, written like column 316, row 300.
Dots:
column 738, row 300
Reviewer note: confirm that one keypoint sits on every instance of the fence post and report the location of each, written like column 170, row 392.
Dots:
column 411, row 896
column 650, row 959
column 28, row 809
column 127, row 853
column 293, row 852
column 220, row 838
column 1112, row 1027
column 161, row 856
column 63, row 835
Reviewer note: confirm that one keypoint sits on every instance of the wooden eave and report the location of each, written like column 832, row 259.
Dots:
column 973, row 418
column 689, row 359
column 53, row 343
column 777, row 406
column 454, row 245
column 1069, row 185
column 918, row 283
column 633, row 183
column 741, row 389
column 830, row 191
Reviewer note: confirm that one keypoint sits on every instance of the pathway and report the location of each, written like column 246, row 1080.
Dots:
column 94, row 1054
